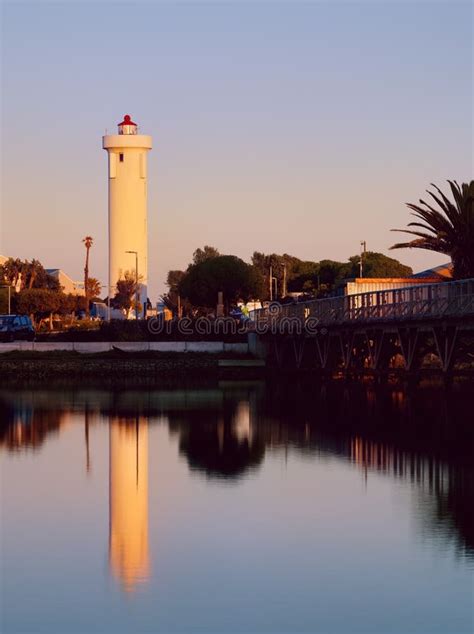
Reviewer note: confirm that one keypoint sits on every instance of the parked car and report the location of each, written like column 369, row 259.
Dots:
column 16, row 327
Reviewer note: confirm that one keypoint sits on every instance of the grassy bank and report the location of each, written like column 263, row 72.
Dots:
column 20, row 366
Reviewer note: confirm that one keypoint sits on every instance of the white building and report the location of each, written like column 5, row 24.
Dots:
column 68, row 284
column 128, row 233
column 370, row 284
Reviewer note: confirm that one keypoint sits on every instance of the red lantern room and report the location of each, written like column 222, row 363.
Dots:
column 127, row 126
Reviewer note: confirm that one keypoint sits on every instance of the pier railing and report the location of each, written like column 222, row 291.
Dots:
column 445, row 299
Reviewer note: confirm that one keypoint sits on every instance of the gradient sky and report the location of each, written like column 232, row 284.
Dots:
column 287, row 127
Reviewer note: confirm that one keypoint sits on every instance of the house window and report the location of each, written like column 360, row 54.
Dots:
column 121, row 158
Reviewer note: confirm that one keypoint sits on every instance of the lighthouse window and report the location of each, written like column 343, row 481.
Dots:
column 121, row 158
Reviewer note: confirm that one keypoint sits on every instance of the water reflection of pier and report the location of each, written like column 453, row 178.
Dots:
column 383, row 458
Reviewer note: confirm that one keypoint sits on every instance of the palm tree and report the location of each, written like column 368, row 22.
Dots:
column 93, row 288
column 88, row 242
column 449, row 229
column 126, row 293
column 32, row 270
column 12, row 271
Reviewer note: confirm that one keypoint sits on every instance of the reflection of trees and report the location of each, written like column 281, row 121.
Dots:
column 221, row 442
column 423, row 436
column 424, row 422
column 451, row 513
column 22, row 427
column 217, row 451
column 444, row 491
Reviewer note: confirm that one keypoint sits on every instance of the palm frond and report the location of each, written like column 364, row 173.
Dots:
column 457, row 193
column 448, row 229
column 420, row 234
column 421, row 243
column 449, row 209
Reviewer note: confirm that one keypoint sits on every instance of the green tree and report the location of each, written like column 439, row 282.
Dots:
column 126, row 293
column 31, row 273
column 448, row 229
column 70, row 304
column 38, row 303
column 227, row 273
column 11, row 271
column 174, row 279
column 172, row 298
column 283, row 268
column 331, row 273
column 4, row 299
column 37, row 277
column 378, row 265
column 27, row 275
column 201, row 255
column 93, row 289
column 304, row 277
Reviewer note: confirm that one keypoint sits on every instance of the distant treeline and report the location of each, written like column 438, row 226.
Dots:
column 209, row 272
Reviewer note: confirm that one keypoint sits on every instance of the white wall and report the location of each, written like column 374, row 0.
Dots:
column 210, row 347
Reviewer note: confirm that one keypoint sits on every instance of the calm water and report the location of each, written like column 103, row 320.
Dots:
column 237, row 507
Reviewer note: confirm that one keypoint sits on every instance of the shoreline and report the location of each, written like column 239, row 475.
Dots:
column 144, row 366
column 152, row 368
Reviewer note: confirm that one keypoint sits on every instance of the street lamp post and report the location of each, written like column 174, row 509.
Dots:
column 274, row 280
column 270, row 281
column 137, row 292
column 363, row 247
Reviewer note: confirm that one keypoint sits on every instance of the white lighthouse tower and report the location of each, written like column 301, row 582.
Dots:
column 128, row 233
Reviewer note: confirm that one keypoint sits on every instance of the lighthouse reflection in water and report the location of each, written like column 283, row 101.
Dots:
column 169, row 509
column 128, row 536
column 228, row 445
